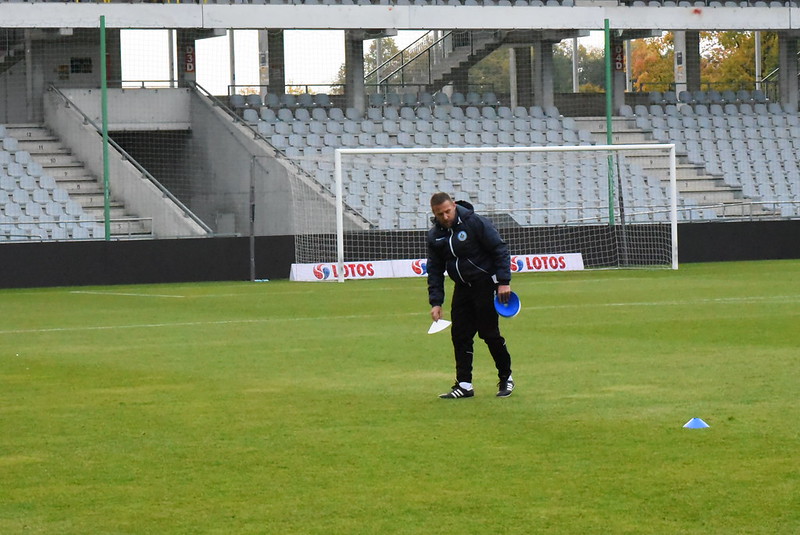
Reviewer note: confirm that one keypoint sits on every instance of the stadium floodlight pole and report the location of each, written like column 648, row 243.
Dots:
column 253, row 219
column 104, row 114
column 609, row 136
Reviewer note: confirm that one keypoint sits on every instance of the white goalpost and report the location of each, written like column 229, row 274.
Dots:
column 616, row 205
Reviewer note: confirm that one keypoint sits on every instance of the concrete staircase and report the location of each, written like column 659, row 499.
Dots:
column 441, row 63
column 71, row 175
column 476, row 46
column 695, row 183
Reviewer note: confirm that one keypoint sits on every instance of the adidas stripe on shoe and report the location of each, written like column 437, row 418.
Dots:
column 504, row 388
column 458, row 392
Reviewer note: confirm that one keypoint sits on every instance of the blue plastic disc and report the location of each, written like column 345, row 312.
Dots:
column 510, row 308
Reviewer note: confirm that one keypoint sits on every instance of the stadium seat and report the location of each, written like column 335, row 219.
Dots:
column 10, row 144
column 441, row 99
column 253, row 100
column 655, row 97
column 271, row 100
column 759, row 96
column 15, row 170
column 268, row 115
column 249, row 115
column 237, row 102
column 729, row 97
column 425, row 99
column 490, row 99
column 305, row 100
column 473, row 99
column 743, row 95
column 375, row 100
column 27, row 183
column 336, row 114
column 714, row 97
column 392, row 99
column 699, row 97
column 288, row 100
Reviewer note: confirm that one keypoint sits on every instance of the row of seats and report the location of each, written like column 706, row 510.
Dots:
column 771, row 109
column 299, row 135
column 754, row 152
column 772, row 125
column 471, row 98
column 310, row 137
column 711, row 96
column 288, row 100
column 386, row 131
column 29, row 229
column 535, row 189
column 442, row 112
column 32, row 206
column 375, row 100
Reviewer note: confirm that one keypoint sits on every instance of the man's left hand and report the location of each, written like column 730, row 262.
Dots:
column 503, row 292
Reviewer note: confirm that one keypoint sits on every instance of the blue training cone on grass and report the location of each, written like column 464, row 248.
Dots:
column 695, row 423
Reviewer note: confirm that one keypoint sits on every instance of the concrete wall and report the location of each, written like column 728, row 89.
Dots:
column 221, row 174
column 67, row 59
column 219, row 158
column 138, row 193
column 134, row 109
column 13, row 95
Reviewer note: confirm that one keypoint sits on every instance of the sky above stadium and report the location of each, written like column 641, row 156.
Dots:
column 312, row 56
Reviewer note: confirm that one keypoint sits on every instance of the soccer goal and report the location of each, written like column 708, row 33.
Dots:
column 616, row 205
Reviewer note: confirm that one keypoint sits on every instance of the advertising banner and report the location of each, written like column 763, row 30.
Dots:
column 418, row 267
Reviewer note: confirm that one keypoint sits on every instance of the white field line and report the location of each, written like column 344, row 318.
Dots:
column 195, row 323
column 352, row 288
column 125, row 294
column 720, row 301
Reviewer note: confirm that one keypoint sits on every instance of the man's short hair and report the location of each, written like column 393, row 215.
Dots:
column 439, row 197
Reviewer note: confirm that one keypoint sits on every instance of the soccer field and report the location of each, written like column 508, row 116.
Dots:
column 311, row 408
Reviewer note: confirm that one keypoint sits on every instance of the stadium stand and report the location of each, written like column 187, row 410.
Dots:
column 709, row 129
column 738, row 144
column 34, row 205
column 740, row 138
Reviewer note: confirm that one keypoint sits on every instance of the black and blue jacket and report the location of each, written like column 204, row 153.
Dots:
column 470, row 251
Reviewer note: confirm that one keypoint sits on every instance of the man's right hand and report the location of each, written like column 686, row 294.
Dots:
column 436, row 313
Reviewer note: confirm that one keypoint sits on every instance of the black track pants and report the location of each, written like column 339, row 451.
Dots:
column 473, row 312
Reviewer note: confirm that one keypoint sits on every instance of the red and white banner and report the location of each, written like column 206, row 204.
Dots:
column 546, row 262
column 387, row 269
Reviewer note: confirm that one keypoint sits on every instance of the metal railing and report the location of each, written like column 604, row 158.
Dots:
column 415, row 63
column 145, row 173
column 38, row 231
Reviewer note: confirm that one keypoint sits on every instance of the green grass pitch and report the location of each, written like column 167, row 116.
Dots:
column 311, row 408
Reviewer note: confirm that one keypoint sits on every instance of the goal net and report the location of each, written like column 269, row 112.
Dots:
column 616, row 205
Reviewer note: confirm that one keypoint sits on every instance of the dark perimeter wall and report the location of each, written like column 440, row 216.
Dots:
column 142, row 261
column 218, row 259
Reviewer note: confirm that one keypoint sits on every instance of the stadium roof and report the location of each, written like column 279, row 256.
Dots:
column 432, row 17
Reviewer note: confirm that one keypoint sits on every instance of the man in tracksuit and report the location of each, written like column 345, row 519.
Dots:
column 474, row 255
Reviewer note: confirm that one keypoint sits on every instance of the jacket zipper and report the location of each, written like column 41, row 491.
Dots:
column 453, row 252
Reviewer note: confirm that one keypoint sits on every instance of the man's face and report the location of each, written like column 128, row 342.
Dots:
column 445, row 213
